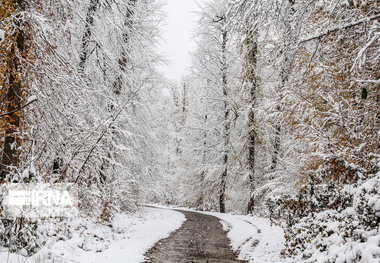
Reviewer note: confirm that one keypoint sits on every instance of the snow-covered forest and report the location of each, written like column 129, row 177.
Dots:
column 277, row 124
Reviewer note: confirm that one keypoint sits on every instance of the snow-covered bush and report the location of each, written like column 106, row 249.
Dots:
column 329, row 223
column 21, row 235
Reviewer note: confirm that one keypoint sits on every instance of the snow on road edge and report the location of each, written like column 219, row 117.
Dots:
column 141, row 236
column 253, row 238
column 129, row 239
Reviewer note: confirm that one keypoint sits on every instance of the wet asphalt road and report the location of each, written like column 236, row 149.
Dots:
column 200, row 239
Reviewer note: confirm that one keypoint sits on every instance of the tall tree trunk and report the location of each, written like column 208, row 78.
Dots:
column 250, row 47
column 184, row 98
column 226, row 134
column 87, row 33
column 204, row 160
column 14, row 86
column 123, row 60
column 277, row 141
column 285, row 71
column 204, row 153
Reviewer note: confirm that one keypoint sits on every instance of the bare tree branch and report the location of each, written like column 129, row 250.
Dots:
column 340, row 27
column 16, row 110
column 368, row 81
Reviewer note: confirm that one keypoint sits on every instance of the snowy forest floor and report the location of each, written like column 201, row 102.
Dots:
column 126, row 240
column 163, row 235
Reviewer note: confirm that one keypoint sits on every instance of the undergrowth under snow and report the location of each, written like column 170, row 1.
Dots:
column 126, row 240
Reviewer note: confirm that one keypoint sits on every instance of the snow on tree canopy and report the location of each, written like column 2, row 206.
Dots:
column 276, row 118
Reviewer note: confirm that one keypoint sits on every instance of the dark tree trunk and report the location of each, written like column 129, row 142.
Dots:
column 123, row 60
column 250, row 46
column 86, row 39
column 277, row 141
column 284, row 79
column 15, row 88
column 204, row 154
column 226, row 135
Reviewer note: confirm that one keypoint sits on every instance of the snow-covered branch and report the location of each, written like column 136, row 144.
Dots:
column 340, row 27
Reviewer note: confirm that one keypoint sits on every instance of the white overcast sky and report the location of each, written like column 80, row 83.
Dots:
column 177, row 37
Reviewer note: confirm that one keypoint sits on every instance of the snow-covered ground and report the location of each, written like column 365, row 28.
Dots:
column 130, row 236
column 127, row 241
column 255, row 239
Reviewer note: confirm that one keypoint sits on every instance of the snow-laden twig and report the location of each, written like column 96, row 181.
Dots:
column 30, row 101
column 375, row 81
column 340, row 27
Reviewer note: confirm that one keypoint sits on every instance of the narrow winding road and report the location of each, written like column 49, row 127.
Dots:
column 200, row 239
